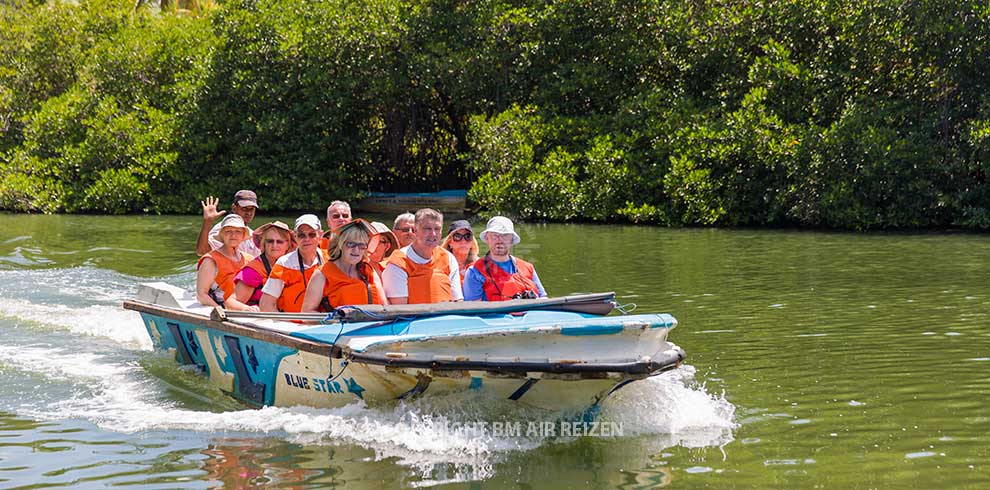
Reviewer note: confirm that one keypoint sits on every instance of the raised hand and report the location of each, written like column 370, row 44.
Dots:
column 210, row 213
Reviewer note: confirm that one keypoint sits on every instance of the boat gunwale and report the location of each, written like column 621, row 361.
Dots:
column 249, row 330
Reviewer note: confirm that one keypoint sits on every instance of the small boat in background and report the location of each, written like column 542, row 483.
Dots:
column 450, row 201
column 561, row 354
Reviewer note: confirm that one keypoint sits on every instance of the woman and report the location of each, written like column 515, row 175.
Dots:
column 216, row 269
column 383, row 243
column 275, row 239
column 460, row 241
column 347, row 278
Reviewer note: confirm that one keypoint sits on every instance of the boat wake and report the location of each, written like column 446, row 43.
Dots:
column 99, row 369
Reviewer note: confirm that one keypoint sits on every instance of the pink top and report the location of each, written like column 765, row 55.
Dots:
column 251, row 278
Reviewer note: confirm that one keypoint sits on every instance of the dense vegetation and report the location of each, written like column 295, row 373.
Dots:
column 804, row 112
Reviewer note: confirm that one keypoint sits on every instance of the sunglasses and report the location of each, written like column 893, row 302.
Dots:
column 461, row 236
column 273, row 241
column 303, row 236
column 357, row 245
column 339, row 216
column 407, row 229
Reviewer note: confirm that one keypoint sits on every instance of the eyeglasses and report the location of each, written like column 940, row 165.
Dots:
column 357, row 245
column 303, row 236
column 272, row 241
column 339, row 216
column 461, row 236
column 408, row 229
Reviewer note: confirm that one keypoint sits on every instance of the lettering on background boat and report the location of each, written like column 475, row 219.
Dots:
column 249, row 390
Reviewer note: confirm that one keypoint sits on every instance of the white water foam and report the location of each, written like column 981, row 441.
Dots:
column 455, row 431
column 111, row 322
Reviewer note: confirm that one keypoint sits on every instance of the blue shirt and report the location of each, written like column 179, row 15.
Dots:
column 474, row 281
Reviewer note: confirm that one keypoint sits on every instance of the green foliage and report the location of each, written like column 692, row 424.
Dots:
column 786, row 112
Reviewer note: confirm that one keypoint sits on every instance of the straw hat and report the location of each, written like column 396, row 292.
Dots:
column 259, row 234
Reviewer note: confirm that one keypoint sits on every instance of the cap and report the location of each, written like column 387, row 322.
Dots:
column 307, row 219
column 246, row 198
column 460, row 224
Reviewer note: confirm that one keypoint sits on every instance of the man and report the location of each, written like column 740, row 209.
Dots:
column 245, row 205
column 499, row 276
column 405, row 229
column 338, row 214
column 423, row 272
column 285, row 288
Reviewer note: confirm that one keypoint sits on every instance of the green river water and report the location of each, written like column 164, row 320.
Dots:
column 815, row 360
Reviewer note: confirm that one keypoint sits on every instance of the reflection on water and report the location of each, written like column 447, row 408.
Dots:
column 831, row 360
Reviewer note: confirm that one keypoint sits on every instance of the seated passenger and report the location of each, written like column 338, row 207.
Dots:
column 338, row 214
column 216, row 269
column 347, row 278
column 286, row 285
column 499, row 276
column 383, row 243
column 275, row 240
column 460, row 241
column 423, row 272
column 405, row 229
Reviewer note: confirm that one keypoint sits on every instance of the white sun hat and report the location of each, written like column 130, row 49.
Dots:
column 232, row 221
column 500, row 225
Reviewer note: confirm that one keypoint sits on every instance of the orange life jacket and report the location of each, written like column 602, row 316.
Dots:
column 341, row 289
column 429, row 282
column 500, row 285
column 223, row 285
column 295, row 277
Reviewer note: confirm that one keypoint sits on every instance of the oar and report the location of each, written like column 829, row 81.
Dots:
column 219, row 314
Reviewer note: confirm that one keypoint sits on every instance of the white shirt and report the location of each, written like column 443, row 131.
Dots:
column 396, row 281
column 247, row 246
column 274, row 286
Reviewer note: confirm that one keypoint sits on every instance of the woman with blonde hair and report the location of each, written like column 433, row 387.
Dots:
column 461, row 242
column 347, row 278
column 274, row 239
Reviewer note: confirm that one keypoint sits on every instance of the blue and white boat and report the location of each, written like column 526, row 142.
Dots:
column 562, row 354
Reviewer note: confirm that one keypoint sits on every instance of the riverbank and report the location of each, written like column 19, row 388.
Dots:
column 811, row 114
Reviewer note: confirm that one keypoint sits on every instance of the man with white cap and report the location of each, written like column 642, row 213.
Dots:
column 245, row 205
column 285, row 288
column 498, row 276
column 423, row 272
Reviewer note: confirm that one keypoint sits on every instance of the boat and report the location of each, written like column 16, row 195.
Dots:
column 561, row 354
column 449, row 201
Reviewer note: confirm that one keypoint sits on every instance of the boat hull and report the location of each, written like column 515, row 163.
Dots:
column 290, row 364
